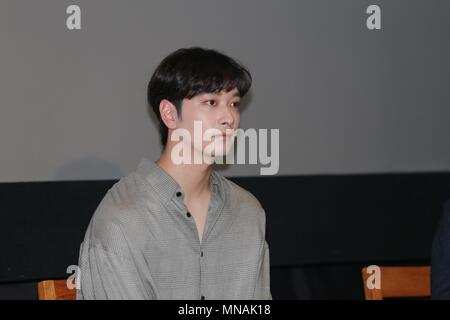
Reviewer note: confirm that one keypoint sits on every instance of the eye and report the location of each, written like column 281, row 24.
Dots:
column 211, row 102
column 237, row 104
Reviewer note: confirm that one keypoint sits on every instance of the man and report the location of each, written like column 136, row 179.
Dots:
column 440, row 257
column 180, row 230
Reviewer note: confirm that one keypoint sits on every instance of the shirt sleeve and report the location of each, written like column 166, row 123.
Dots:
column 262, row 290
column 107, row 276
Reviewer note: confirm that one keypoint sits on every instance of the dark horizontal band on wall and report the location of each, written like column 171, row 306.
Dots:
column 310, row 219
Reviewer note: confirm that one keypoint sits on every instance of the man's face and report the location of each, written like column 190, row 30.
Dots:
column 219, row 111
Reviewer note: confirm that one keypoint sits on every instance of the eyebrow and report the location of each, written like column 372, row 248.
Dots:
column 236, row 94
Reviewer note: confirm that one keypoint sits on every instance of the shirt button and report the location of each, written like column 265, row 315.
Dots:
column 179, row 194
column 188, row 214
column 203, row 297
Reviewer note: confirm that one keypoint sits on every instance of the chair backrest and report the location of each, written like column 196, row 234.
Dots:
column 397, row 282
column 55, row 290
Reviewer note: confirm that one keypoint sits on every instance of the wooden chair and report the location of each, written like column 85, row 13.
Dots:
column 399, row 282
column 55, row 290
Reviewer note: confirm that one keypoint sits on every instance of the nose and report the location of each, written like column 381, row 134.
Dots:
column 227, row 117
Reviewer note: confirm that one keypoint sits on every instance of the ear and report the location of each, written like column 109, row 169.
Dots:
column 168, row 113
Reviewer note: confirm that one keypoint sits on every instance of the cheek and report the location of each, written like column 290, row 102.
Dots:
column 237, row 118
column 190, row 118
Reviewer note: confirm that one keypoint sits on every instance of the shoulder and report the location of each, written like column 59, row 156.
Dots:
column 440, row 257
column 243, row 201
column 118, row 218
column 442, row 235
column 243, row 196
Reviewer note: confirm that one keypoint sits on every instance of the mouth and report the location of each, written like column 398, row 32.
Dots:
column 223, row 136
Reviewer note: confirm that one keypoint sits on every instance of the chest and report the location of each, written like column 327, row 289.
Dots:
column 199, row 212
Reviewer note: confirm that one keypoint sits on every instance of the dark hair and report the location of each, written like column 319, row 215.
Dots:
column 188, row 72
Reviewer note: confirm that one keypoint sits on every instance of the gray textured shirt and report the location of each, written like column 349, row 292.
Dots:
column 142, row 244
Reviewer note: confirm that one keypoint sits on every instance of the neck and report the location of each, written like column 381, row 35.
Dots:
column 194, row 179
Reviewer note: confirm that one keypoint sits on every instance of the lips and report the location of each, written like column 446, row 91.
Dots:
column 228, row 134
column 224, row 136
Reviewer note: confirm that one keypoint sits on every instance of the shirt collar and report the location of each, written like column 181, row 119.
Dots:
column 163, row 183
